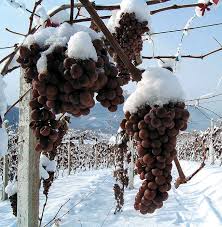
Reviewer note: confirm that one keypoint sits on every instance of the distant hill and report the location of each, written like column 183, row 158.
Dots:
column 100, row 119
column 13, row 116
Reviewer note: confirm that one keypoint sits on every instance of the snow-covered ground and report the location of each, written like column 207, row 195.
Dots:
column 91, row 204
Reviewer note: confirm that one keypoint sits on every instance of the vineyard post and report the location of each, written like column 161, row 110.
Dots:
column 69, row 155
column 5, row 178
column 211, row 148
column 96, row 155
column 131, row 165
column 28, row 165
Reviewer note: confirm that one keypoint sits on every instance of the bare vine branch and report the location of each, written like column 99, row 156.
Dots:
column 173, row 7
column 101, row 7
column 184, row 56
column 9, row 47
column 57, row 213
column 43, row 210
column 37, row 3
column 16, row 33
column 71, row 9
column 19, row 100
column 9, row 59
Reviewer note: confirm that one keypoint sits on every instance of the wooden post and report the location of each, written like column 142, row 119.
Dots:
column 96, row 155
column 131, row 165
column 211, row 148
column 69, row 155
column 5, row 178
column 28, row 166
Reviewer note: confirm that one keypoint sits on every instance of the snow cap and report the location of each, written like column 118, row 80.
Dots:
column 80, row 47
column 157, row 87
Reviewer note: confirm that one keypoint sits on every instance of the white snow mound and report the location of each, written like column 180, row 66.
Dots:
column 11, row 188
column 157, row 87
column 80, row 47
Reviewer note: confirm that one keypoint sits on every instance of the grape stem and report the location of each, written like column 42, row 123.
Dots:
column 182, row 179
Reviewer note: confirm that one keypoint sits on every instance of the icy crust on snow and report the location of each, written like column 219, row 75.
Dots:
column 11, row 188
column 80, row 47
column 157, row 87
column 139, row 7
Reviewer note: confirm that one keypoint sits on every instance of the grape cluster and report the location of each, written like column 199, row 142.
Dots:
column 44, row 125
column 28, row 58
column 111, row 95
column 69, row 84
column 47, row 183
column 129, row 36
column 155, row 129
column 13, row 202
column 63, row 128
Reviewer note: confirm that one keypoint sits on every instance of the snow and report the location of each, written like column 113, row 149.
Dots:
column 91, row 201
column 46, row 165
column 44, row 160
column 80, row 47
column 11, row 188
column 3, row 142
column 51, row 167
column 78, row 37
column 112, row 140
column 113, row 21
column 139, row 7
column 157, row 87
column 57, row 35
column 166, row 63
column 43, row 173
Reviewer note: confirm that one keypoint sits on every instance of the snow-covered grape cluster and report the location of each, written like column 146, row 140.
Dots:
column 69, row 84
column 129, row 36
column 65, row 79
column 155, row 129
column 128, row 25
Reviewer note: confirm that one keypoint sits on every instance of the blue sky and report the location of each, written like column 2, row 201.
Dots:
column 198, row 77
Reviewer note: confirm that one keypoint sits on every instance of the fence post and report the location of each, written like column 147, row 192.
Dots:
column 28, row 165
column 131, row 165
column 211, row 148
column 5, row 177
column 69, row 155
column 96, row 154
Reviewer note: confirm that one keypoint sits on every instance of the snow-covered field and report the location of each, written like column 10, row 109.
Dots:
column 91, row 204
